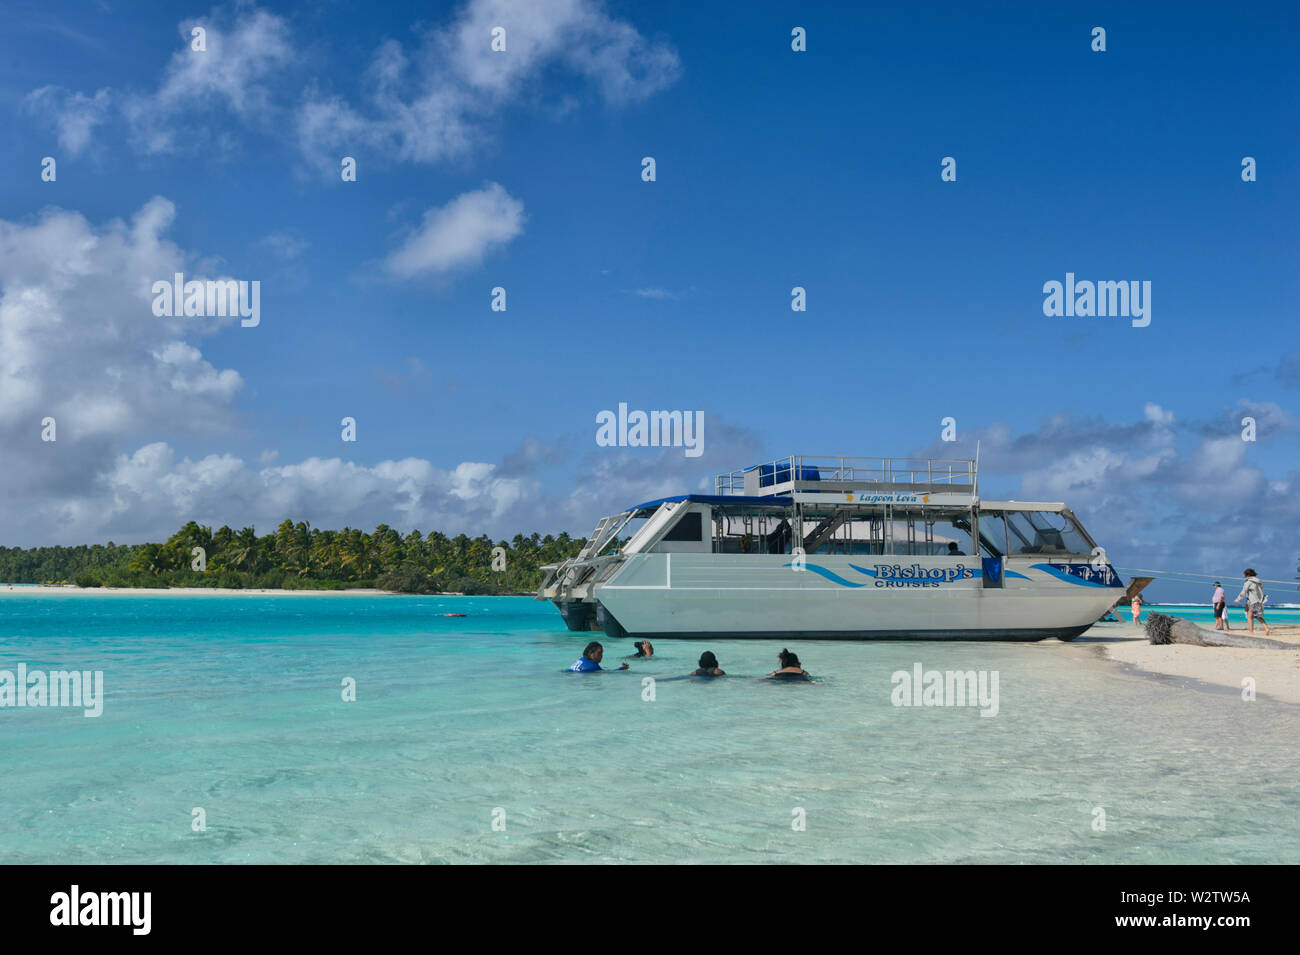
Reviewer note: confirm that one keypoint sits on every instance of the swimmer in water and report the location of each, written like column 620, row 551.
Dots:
column 708, row 665
column 790, row 669
column 590, row 659
column 644, row 650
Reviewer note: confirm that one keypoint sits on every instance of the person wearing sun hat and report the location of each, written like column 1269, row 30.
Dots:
column 1252, row 591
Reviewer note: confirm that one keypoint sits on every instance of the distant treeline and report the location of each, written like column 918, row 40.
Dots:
column 299, row 557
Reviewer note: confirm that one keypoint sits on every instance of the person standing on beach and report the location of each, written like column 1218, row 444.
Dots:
column 1220, row 603
column 1137, row 611
column 1253, row 591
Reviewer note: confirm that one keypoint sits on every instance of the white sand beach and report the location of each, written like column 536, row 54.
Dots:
column 1276, row 672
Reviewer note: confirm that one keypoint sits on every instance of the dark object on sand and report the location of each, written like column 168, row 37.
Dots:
column 1162, row 630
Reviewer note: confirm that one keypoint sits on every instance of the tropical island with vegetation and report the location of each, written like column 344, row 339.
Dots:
column 300, row 557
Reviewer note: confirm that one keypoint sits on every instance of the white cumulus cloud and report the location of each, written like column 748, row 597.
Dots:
column 238, row 71
column 424, row 103
column 460, row 233
column 79, row 343
column 74, row 116
column 240, row 56
column 430, row 102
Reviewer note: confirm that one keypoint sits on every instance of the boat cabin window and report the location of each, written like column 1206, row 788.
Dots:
column 993, row 534
column 689, row 528
column 955, row 531
column 683, row 530
column 741, row 533
column 919, row 533
column 837, row 534
column 929, row 534
column 1043, row 532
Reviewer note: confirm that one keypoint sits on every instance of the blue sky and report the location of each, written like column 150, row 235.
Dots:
column 774, row 169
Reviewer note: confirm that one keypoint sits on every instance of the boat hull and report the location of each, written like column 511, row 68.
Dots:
column 852, row 598
column 1011, row 636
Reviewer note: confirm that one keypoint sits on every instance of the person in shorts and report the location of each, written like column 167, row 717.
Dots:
column 1253, row 593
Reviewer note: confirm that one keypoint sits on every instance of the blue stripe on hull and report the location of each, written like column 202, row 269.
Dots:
column 998, row 636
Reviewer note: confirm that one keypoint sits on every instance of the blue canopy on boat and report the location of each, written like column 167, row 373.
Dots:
column 732, row 499
column 779, row 472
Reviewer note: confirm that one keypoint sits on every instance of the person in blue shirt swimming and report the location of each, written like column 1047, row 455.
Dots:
column 590, row 659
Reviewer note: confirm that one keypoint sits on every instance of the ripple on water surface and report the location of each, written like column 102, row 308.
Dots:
column 233, row 705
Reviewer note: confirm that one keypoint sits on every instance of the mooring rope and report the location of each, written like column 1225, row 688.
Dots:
column 1191, row 578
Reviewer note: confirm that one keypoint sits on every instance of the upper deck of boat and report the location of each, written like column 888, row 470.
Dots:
column 799, row 475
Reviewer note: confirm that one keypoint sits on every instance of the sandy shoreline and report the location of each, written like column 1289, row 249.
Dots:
column 1276, row 672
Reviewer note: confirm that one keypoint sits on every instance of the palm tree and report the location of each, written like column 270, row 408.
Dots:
column 145, row 559
column 243, row 555
column 355, row 547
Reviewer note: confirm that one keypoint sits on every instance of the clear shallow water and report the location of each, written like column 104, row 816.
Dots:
column 232, row 704
column 1203, row 614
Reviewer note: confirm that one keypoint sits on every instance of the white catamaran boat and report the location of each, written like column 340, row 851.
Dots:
column 857, row 548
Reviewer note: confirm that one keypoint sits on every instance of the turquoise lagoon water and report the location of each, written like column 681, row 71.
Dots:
column 233, row 704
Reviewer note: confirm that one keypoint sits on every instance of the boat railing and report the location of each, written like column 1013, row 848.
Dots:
column 598, row 538
column 807, row 472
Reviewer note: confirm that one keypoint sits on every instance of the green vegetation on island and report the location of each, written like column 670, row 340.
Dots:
column 300, row 557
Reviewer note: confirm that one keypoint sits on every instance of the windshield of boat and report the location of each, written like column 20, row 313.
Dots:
column 1033, row 532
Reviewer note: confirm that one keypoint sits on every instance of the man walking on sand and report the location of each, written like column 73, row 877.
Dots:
column 1253, row 591
column 1220, row 603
